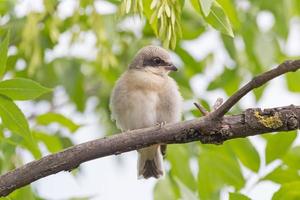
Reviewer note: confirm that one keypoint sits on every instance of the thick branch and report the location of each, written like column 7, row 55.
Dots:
column 213, row 128
column 251, row 122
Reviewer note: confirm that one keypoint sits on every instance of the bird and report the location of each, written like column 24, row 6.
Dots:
column 144, row 96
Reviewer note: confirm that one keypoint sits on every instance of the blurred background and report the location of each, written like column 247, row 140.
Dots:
column 80, row 47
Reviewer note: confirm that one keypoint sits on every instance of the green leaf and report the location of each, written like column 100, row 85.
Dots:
column 50, row 117
column 186, row 193
column 292, row 157
column 218, row 19
column 218, row 167
column 190, row 32
column 237, row 196
column 278, row 145
column 74, row 82
column 283, row 174
column 179, row 157
column 230, row 46
column 231, row 11
column 24, row 193
column 22, row 89
column 206, row 6
column 246, row 153
column 32, row 146
column 265, row 49
column 164, row 189
column 181, row 3
column 191, row 67
column 52, row 142
column 65, row 141
column 225, row 81
column 13, row 118
column 196, row 5
column 3, row 55
column 292, row 80
column 288, row 191
column 19, row 141
column 258, row 92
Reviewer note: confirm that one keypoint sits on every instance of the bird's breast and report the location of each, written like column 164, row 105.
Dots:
column 144, row 81
column 139, row 101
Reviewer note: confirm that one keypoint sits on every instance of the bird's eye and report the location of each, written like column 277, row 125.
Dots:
column 157, row 61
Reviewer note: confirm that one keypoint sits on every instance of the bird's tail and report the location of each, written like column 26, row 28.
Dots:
column 150, row 162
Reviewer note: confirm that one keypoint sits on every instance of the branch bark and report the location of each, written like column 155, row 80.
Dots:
column 213, row 128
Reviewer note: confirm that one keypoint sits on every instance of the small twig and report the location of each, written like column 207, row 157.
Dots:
column 256, row 82
column 218, row 103
column 203, row 111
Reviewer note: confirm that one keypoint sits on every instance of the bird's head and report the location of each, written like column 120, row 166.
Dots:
column 153, row 59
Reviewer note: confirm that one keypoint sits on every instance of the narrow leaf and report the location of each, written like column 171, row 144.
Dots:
column 3, row 55
column 13, row 118
column 288, row 191
column 22, row 89
column 218, row 19
column 206, row 6
column 283, row 174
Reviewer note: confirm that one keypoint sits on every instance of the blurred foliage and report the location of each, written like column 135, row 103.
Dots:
column 42, row 49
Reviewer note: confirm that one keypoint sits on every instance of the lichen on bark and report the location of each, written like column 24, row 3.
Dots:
column 269, row 121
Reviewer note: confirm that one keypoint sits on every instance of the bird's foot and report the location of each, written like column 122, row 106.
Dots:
column 161, row 124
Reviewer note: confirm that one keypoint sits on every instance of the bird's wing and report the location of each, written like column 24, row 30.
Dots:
column 134, row 109
column 170, row 104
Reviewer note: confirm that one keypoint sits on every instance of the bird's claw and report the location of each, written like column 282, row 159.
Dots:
column 161, row 124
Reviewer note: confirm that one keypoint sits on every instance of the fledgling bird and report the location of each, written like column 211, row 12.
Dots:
column 145, row 96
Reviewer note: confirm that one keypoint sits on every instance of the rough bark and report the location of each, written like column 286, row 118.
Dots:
column 213, row 128
column 251, row 122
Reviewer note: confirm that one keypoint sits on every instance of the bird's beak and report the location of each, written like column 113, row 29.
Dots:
column 171, row 67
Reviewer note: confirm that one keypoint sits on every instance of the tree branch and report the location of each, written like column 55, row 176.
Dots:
column 287, row 66
column 213, row 128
